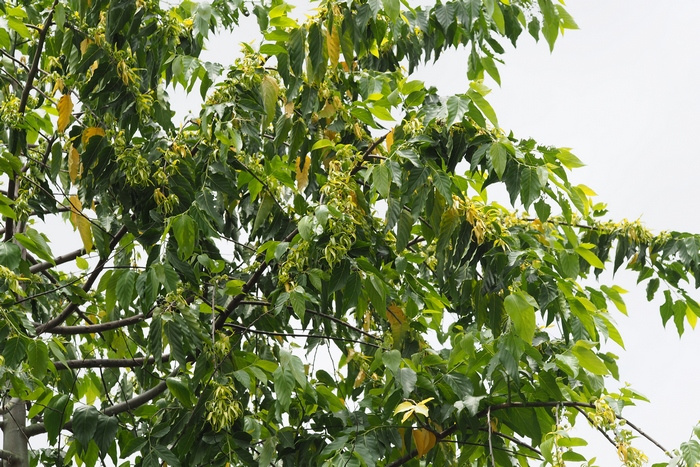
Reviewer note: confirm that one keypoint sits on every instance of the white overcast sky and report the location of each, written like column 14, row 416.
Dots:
column 623, row 92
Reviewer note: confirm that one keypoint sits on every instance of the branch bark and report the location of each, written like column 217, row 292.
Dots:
column 68, row 310
column 108, row 362
column 247, row 287
column 134, row 402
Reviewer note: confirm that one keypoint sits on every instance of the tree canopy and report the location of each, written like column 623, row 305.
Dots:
column 311, row 271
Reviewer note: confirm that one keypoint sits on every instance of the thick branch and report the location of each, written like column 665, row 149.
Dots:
column 95, row 328
column 109, row 362
column 134, row 402
column 40, row 267
column 9, row 457
column 247, row 287
column 37, row 58
column 68, row 310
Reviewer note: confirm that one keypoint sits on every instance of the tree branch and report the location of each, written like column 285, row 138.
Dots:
column 247, row 287
column 244, row 330
column 40, row 267
column 68, row 310
column 134, row 402
column 96, row 328
column 109, row 362
column 9, row 457
column 318, row 313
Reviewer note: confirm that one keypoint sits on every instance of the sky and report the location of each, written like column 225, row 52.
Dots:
column 623, row 92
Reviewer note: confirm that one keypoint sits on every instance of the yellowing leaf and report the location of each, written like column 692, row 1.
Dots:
column 65, row 108
column 421, row 408
column 90, row 132
column 81, row 222
column 397, row 321
column 691, row 317
column 425, row 440
column 389, row 140
column 270, row 91
column 359, row 379
column 84, row 45
column 73, row 164
column 395, row 315
column 333, row 43
column 303, row 173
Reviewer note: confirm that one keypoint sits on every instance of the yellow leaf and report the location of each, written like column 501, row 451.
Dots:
column 396, row 320
column 425, row 440
column 65, row 108
column 359, row 379
column 303, row 173
column 90, row 132
column 73, row 164
column 84, row 45
column 333, row 42
column 404, row 406
column 421, row 408
column 692, row 317
column 80, row 222
column 389, row 140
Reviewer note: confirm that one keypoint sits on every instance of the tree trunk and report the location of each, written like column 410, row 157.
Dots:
column 14, row 441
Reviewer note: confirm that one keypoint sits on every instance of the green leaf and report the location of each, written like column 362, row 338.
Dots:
column 457, row 106
column 57, row 413
column 403, row 232
column 382, row 113
column 180, row 390
column 10, row 255
column 406, row 378
column 381, row 179
column 106, row 433
column 392, row 360
column 543, row 210
column 36, row 243
column 125, row 289
column 588, row 359
column 499, row 157
column 590, row 257
column 298, row 302
column 484, row 106
column 569, row 160
column 392, row 8
column 268, row 451
column 270, row 92
column 530, row 186
column 38, row 358
column 166, row 455
column 521, row 311
column 85, row 418
column 690, row 451
column 322, row 143
column 185, row 231
column 15, row 350
column 284, row 386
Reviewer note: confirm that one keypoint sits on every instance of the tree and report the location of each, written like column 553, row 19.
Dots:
column 321, row 200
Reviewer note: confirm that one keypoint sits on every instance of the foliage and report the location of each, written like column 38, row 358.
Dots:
column 321, row 200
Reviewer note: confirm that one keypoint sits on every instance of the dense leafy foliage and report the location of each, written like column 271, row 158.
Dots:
column 310, row 272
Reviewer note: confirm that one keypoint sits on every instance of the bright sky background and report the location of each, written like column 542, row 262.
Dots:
column 623, row 92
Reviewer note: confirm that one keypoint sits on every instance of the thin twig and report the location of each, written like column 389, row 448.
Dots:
column 488, row 423
column 245, row 330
